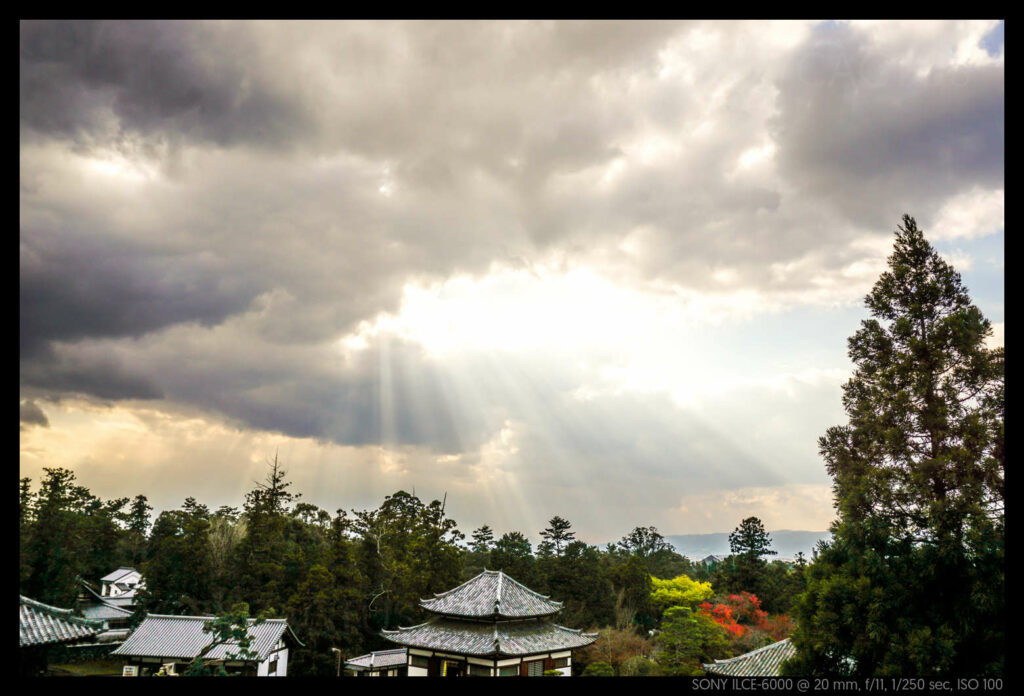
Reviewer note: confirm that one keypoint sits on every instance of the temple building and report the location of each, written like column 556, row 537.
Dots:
column 43, row 626
column 168, row 644
column 490, row 625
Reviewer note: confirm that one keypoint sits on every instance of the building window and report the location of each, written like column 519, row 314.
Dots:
column 479, row 671
column 419, row 661
column 560, row 662
column 272, row 669
column 510, row 671
column 535, row 669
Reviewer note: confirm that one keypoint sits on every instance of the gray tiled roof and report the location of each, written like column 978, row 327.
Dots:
column 104, row 612
column 183, row 637
column 763, row 662
column 117, row 574
column 125, row 600
column 378, row 660
column 491, row 593
column 491, row 638
column 42, row 624
column 106, row 608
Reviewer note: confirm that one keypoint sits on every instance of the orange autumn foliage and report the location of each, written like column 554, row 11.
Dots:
column 740, row 612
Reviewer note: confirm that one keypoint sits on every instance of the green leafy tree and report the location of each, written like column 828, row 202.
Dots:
column 632, row 585
column 314, row 612
column 599, row 669
column 72, row 535
column 513, row 554
column 178, row 565
column 688, row 639
column 913, row 581
column 679, row 592
column 407, row 551
column 578, row 579
column 230, row 629
column 658, row 555
column 639, row 666
column 614, row 646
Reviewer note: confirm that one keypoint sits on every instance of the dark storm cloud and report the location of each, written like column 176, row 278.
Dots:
column 168, row 79
column 32, row 414
column 75, row 286
column 312, row 170
column 104, row 378
column 873, row 136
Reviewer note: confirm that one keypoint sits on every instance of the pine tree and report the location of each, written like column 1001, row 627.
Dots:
column 750, row 539
column 556, row 536
column 483, row 539
column 913, row 580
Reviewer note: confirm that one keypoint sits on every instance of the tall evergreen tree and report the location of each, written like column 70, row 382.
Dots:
column 747, row 571
column 260, row 571
column 178, row 565
column 513, row 554
column 556, row 536
column 483, row 539
column 913, row 580
column 750, row 539
column 72, row 536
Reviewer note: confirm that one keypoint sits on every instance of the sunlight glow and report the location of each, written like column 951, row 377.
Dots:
column 117, row 166
column 622, row 339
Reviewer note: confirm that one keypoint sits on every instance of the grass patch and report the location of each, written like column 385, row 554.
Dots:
column 89, row 668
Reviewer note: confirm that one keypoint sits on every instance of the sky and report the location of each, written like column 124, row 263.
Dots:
column 602, row 270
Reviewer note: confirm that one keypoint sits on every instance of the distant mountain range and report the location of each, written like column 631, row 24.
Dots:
column 785, row 542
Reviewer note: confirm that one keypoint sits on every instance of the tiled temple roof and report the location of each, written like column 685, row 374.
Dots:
column 42, row 624
column 493, row 638
column 381, row 659
column 106, row 608
column 763, row 662
column 183, row 637
column 101, row 611
column 492, row 593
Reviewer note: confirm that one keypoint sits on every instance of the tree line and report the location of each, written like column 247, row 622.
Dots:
column 339, row 578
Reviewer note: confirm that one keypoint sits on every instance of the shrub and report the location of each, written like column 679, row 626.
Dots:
column 599, row 669
column 639, row 666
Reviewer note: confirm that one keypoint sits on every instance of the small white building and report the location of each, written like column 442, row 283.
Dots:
column 122, row 582
column 172, row 642
column 382, row 663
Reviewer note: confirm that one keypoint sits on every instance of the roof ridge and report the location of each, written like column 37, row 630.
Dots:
column 446, row 592
column 406, row 628
column 275, row 619
column 62, row 614
column 41, row 605
column 535, row 592
column 753, row 652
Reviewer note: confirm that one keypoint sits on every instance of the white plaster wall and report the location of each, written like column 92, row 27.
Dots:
column 417, row 671
column 263, row 670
